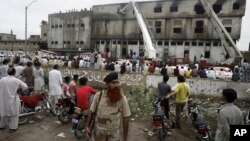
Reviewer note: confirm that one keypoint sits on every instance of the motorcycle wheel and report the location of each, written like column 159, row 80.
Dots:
column 64, row 117
column 24, row 119
column 80, row 131
column 161, row 135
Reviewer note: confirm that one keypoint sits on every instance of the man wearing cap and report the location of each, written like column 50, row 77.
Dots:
column 111, row 107
column 229, row 114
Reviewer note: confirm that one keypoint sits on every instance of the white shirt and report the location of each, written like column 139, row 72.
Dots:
column 55, row 82
column 19, row 70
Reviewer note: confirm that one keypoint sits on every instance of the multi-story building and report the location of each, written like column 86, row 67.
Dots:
column 181, row 28
column 70, row 31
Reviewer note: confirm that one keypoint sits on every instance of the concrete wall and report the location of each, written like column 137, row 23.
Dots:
column 198, row 86
column 204, row 86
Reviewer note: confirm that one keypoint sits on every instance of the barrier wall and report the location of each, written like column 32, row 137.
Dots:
column 198, row 86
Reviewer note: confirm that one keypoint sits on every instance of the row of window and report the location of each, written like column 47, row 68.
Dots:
column 68, row 25
column 166, row 43
column 198, row 8
column 67, row 42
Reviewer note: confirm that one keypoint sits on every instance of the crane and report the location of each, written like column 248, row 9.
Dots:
column 149, row 42
column 233, row 55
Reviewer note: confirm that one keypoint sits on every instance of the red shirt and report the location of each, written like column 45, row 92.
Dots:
column 83, row 95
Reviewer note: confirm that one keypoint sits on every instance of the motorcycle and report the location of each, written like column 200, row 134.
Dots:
column 158, row 116
column 31, row 105
column 79, row 122
column 63, row 108
column 199, row 122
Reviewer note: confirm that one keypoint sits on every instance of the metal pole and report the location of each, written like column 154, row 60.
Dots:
column 26, row 30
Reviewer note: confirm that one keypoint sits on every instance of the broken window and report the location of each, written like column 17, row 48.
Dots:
column 215, row 43
column 177, row 30
column 157, row 23
column 107, row 42
column 173, row 9
column 124, row 51
column 217, row 8
column 159, row 43
column 52, row 42
column 186, row 53
column 229, row 29
column 81, row 42
column 194, row 43
column 208, row 44
column 199, row 27
column 118, row 42
column 166, row 43
column 97, row 42
column 173, row 43
column 124, row 42
column 44, row 34
column 187, row 43
column 68, row 25
column 236, row 6
column 180, row 43
column 158, row 30
column 207, row 54
column 158, row 9
column 141, row 43
column 198, row 8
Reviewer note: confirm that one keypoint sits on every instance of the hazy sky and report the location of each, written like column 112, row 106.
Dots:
column 12, row 15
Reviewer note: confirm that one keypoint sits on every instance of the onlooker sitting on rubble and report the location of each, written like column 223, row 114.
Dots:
column 182, row 71
column 151, row 68
column 176, row 71
column 195, row 72
column 203, row 73
column 188, row 73
column 211, row 73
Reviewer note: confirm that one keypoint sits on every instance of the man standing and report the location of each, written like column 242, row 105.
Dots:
column 182, row 92
column 164, row 90
column 9, row 101
column 110, row 106
column 73, row 86
column 229, row 114
column 4, row 68
column 55, row 86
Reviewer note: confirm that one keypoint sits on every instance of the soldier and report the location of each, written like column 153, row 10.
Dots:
column 110, row 106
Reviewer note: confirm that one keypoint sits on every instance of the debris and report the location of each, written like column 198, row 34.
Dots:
column 132, row 119
column 31, row 121
column 44, row 127
column 61, row 135
column 58, row 122
column 150, row 133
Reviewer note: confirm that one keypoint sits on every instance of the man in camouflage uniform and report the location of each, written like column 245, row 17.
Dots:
column 111, row 107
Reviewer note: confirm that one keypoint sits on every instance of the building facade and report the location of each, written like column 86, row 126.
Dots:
column 181, row 28
column 70, row 31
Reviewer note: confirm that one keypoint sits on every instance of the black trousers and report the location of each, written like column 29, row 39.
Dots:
column 165, row 105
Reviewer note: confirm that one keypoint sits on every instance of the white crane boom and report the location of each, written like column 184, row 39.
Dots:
column 235, row 57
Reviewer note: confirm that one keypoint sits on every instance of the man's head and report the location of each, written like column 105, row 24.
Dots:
column 113, row 88
column 165, row 78
column 83, row 81
column 67, row 79
column 180, row 78
column 55, row 66
column 229, row 95
column 75, row 77
column 11, row 71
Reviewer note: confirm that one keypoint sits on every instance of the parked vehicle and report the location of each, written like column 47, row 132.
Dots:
column 79, row 122
column 158, row 120
column 30, row 105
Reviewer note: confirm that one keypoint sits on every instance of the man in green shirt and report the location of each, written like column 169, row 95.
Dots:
column 182, row 92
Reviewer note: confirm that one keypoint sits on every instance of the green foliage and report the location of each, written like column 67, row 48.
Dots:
column 141, row 99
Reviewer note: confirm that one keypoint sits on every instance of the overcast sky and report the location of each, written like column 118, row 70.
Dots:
column 12, row 15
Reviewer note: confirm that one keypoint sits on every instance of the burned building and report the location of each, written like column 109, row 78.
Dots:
column 181, row 29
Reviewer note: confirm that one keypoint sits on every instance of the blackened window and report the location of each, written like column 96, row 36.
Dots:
column 198, row 8
column 173, row 43
column 52, row 42
column 60, row 26
column 200, row 44
column 77, row 42
column 44, row 34
column 229, row 29
column 166, row 43
column 208, row 44
column 132, row 42
column 118, row 42
column 199, row 27
column 177, row 30
column 114, row 42
column 158, row 9
column 64, row 42
column 52, row 26
column 141, row 43
column 56, row 42
column 187, row 43
column 159, row 43
column 124, row 42
column 97, row 42
column 107, row 42
column 68, row 42
column 216, row 43
column 236, row 6
column 179, row 43
column 194, row 43
column 124, row 51
column 68, row 25
column 186, row 53
column 217, row 8
column 81, row 42
column 173, row 9
column 82, row 25
column 102, row 42
column 56, row 26
column 158, row 30
column 73, row 25
column 207, row 54
column 157, row 23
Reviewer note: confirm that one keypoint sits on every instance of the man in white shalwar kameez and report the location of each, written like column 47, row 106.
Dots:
column 55, row 86
column 9, row 100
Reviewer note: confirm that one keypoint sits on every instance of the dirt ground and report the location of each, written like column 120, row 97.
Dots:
column 45, row 127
